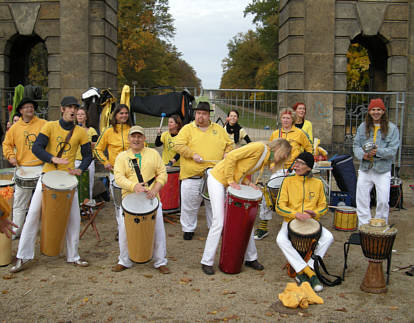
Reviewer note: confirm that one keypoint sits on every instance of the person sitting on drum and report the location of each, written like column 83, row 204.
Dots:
column 375, row 165
column 169, row 155
column 155, row 176
column 235, row 131
column 300, row 142
column 200, row 144
column 17, row 148
column 56, row 145
column 230, row 172
column 302, row 197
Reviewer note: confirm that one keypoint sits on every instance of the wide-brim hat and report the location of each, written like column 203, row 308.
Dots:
column 203, row 106
column 27, row 100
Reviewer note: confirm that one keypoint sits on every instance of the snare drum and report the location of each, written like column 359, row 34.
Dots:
column 170, row 192
column 117, row 192
column 58, row 190
column 27, row 176
column 345, row 218
column 240, row 213
column 139, row 217
column 203, row 187
column 6, row 196
column 376, row 244
column 83, row 186
column 7, row 173
column 302, row 235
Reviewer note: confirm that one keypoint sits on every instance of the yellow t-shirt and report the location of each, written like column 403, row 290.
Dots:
column 57, row 136
column 242, row 134
column 168, row 151
column 90, row 133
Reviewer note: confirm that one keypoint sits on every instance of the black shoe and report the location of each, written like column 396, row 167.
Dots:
column 208, row 270
column 254, row 264
column 188, row 235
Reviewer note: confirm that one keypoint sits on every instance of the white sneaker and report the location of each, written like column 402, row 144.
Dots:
column 19, row 266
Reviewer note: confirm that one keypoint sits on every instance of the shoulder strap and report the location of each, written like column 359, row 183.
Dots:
column 69, row 135
column 326, row 281
column 139, row 175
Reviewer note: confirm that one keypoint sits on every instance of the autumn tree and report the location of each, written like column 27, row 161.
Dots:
column 357, row 69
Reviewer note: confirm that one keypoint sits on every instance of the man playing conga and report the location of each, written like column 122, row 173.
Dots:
column 302, row 197
column 198, row 143
column 17, row 148
column 154, row 175
column 56, row 145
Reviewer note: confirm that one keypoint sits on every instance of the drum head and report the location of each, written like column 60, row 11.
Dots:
column 29, row 172
column 247, row 193
column 59, row 180
column 138, row 204
column 275, row 182
column 6, row 182
column 309, row 226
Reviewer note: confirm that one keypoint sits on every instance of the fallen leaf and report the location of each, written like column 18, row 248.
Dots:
column 283, row 315
column 170, row 235
column 109, row 303
column 109, row 319
column 8, row 276
column 342, row 295
column 212, row 312
column 342, row 309
column 269, row 314
column 227, row 292
column 186, row 280
column 233, row 317
column 148, row 276
column 85, row 300
column 4, row 291
column 43, row 280
column 393, row 308
column 201, row 238
column 196, row 289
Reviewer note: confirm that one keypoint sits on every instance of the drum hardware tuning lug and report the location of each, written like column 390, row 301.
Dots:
column 230, row 200
column 136, row 220
column 68, row 196
column 153, row 217
column 54, row 196
column 246, row 206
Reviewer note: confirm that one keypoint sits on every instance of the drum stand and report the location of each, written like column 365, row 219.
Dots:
column 374, row 281
column 90, row 211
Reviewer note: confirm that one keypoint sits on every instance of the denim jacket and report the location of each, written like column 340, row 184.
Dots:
column 387, row 148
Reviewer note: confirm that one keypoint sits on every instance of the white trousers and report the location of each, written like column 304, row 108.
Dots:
column 190, row 204
column 217, row 194
column 118, row 208
column 31, row 227
column 20, row 206
column 160, row 246
column 91, row 169
column 292, row 256
column 382, row 182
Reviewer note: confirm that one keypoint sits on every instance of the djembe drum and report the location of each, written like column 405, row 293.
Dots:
column 304, row 235
column 376, row 244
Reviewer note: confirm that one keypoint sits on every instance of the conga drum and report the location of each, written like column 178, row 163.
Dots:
column 304, row 235
column 240, row 213
column 139, row 217
column 170, row 192
column 345, row 218
column 58, row 190
column 117, row 192
column 376, row 244
column 27, row 176
column 6, row 201
column 83, row 186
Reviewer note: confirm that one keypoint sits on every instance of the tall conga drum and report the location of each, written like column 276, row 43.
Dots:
column 139, row 216
column 6, row 201
column 376, row 244
column 240, row 213
column 170, row 192
column 58, row 190
column 83, row 186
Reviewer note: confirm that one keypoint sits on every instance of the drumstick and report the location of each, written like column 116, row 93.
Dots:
column 335, row 207
column 162, row 119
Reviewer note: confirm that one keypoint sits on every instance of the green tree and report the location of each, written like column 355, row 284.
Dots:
column 357, row 69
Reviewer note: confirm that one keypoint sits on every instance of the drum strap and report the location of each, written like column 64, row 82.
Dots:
column 139, row 175
column 69, row 135
column 326, row 281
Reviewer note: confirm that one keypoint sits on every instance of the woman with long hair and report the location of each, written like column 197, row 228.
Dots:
column 169, row 155
column 375, row 164
column 301, row 122
column 82, row 119
column 235, row 131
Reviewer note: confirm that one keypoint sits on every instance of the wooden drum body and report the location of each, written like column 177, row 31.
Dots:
column 345, row 219
column 58, row 190
column 240, row 213
column 170, row 192
column 6, row 196
column 304, row 235
column 139, row 216
column 376, row 244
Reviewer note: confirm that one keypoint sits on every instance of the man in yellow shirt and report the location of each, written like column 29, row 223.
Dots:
column 154, row 176
column 198, row 143
column 17, row 148
column 301, row 197
column 48, row 149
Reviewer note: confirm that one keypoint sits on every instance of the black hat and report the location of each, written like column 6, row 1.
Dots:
column 27, row 100
column 203, row 106
column 307, row 158
column 69, row 100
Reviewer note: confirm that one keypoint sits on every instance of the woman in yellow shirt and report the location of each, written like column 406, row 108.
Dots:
column 232, row 171
column 169, row 156
column 301, row 123
column 82, row 120
column 235, row 131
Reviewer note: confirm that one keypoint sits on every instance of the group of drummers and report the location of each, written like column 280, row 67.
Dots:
column 207, row 154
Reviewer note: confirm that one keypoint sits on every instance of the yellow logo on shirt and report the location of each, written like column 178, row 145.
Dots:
column 61, row 143
column 29, row 140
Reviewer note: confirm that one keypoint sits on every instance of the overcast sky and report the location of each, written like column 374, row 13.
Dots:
column 203, row 29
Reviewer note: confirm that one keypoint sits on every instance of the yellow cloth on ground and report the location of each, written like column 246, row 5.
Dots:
column 302, row 296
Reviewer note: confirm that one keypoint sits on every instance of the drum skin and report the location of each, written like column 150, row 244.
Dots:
column 302, row 241
column 83, row 186
column 5, row 242
column 56, row 206
column 170, row 192
column 139, row 226
column 345, row 219
column 239, row 218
